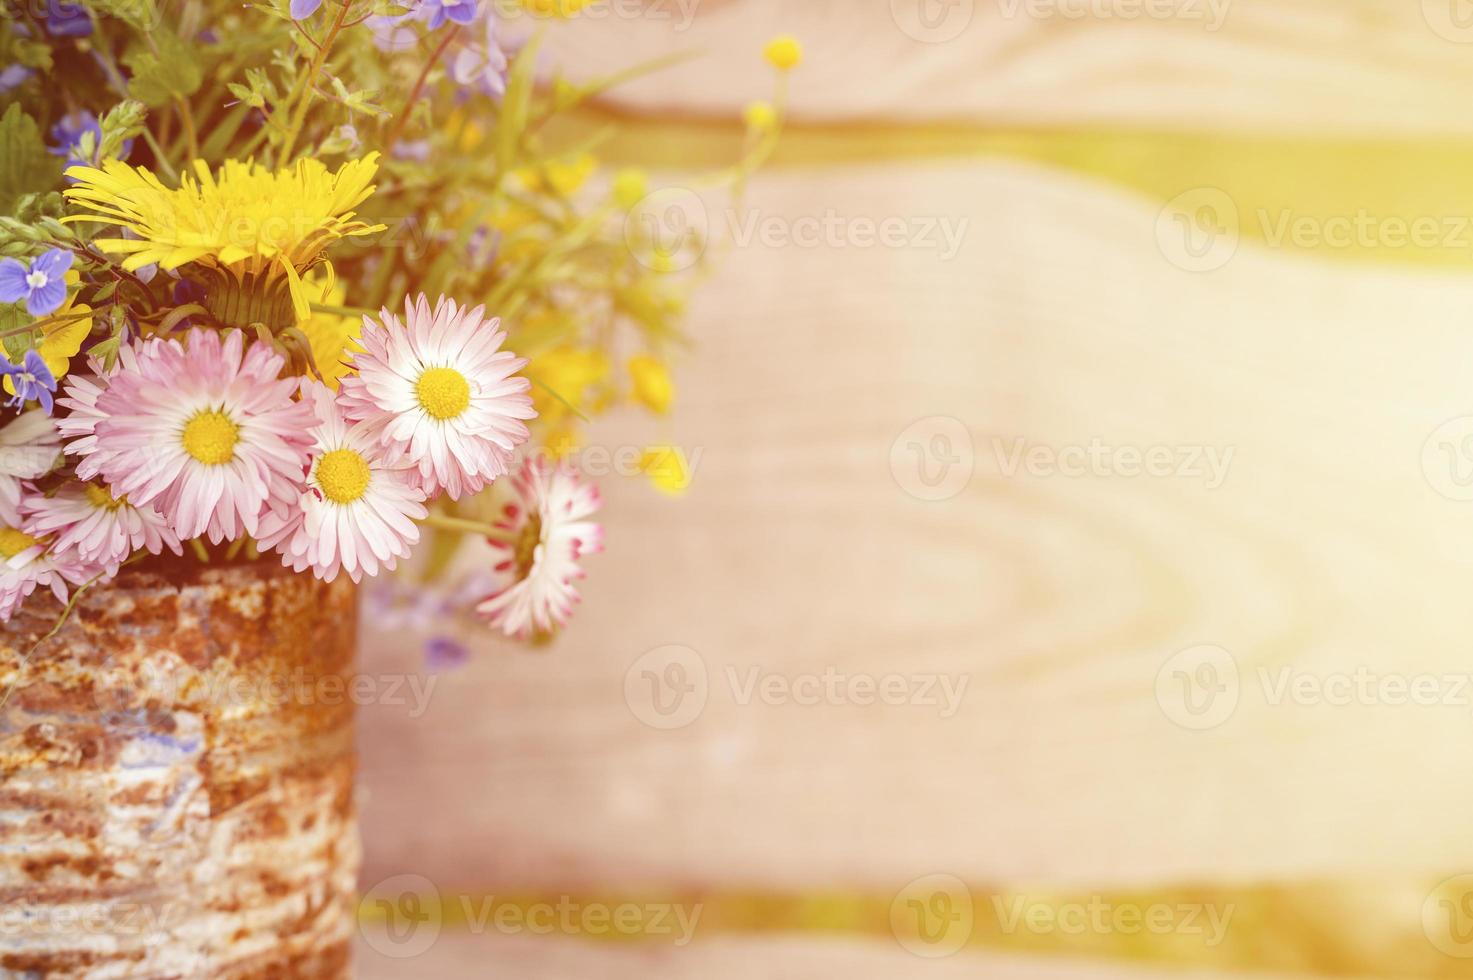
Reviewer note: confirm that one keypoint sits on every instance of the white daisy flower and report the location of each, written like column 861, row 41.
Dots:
column 100, row 528
column 27, row 563
column 358, row 513
column 548, row 530
column 29, row 448
column 437, row 389
column 207, row 434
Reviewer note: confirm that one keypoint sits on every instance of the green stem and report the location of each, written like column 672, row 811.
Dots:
column 464, row 526
column 419, row 84
column 302, row 92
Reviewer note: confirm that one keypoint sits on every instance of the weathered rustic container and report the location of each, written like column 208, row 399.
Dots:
column 176, row 778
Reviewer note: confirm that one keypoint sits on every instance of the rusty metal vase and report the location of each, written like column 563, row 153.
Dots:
column 176, row 778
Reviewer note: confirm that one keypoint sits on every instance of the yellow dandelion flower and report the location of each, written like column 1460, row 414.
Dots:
column 784, row 52
column 259, row 226
column 653, row 387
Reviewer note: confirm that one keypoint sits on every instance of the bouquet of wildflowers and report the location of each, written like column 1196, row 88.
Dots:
column 314, row 281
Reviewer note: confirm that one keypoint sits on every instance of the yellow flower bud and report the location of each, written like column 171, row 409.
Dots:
column 666, row 468
column 784, row 52
column 653, row 387
column 630, row 187
column 760, row 116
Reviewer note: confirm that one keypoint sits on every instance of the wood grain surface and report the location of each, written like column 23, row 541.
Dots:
column 1057, row 598
column 1365, row 67
column 1308, row 529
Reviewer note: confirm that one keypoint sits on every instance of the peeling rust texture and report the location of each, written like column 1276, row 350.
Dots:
column 176, row 779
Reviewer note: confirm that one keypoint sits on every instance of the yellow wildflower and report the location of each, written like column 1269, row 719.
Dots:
column 244, row 219
column 784, row 52
column 554, row 8
column 62, row 339
column 564, row 176
column 630, row 187
column 333, row 338
column 653, row 387
column 574, row 373
column 667, row 470
column 760, row 116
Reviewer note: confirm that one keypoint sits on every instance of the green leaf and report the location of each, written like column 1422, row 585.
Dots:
column 16, row 339
column 516, row 105
column 25, row 166
column 166, row 71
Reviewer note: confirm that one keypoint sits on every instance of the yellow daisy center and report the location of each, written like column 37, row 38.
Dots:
column 210, row 437
column 526, row 549
column 13, row 542
column 343, row 476
column 443, row 392
column 102, row 499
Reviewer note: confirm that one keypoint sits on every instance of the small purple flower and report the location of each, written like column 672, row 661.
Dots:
column 32, row 380
column 439, row 11
column 13, row 77
column 445, row 653
column 482, row 64
column 302, row 9
column 392, row 34
column 67, row 132
column 65, row 19
column 42, row 284
column 416, row 150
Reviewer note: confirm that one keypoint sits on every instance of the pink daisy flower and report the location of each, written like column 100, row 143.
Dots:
column 207, row 434
column 29, row 448
column 102, row 529
column 437, row 389
column 358, row 511
column 549, row 531
column 79, row 397
column 26, row 563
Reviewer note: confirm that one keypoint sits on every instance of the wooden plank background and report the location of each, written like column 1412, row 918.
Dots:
column 1071, row 313
column 1364, row 67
